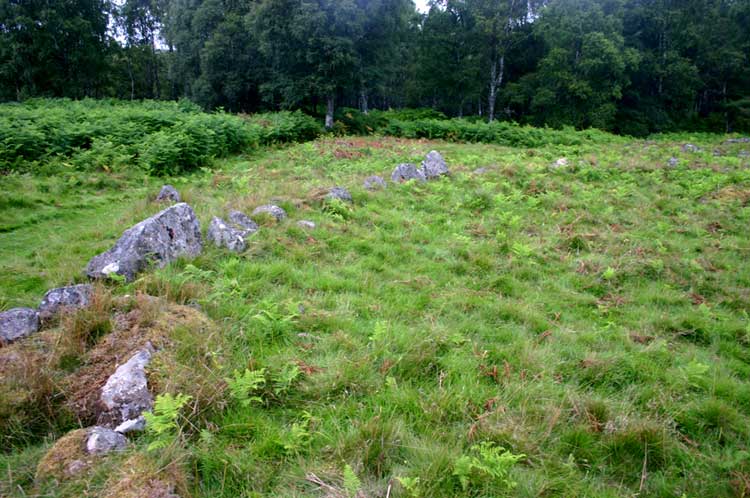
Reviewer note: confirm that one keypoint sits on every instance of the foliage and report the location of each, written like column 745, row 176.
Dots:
column 243, row 385
column 352, row 484
column 486, row 462
column 161, row 422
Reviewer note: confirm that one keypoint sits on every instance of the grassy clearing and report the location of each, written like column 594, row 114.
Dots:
column 590, row 320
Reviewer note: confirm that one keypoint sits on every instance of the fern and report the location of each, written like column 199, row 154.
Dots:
column 161, row 422
column 286, row 378
column 352, row 484
column 244, row 384
column 489, row 462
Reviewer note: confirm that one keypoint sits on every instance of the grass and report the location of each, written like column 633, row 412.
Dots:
column 590, row 320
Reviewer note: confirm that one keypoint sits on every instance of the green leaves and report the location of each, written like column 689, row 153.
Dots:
column 161, row 423
column 486, row 463
column 244, row 384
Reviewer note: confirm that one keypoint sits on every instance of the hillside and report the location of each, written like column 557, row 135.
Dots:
column 547, row 320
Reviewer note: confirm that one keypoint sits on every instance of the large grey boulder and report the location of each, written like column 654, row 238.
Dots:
column 270, row 209
column 125, row 394
column 62, row 298
column 243, row 221
column 407, row 171
column 168, row 193
column 434, row 166
column 17, row 323
column 101, row 440
column 157, row 240
column 339, row 193
column 374, row 182
column 222, row 235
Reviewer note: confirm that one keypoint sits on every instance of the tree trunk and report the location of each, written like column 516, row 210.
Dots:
column 329, row 112
column 363, row 101
column 497, row 71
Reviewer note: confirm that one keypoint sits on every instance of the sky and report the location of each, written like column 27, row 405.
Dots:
column 421, row 5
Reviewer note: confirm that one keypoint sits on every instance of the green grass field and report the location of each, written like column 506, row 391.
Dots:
column 589, row 320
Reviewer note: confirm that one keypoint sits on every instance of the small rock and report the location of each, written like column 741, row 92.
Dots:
column 306, row 224
column 132, row 425
column 744, row 153
column 434, row 165
column 339, row 193
column 243, row 221
column 374, row 182
column 102, row 440
column 126, row 395
column 673, row 162
column 158, row 240
column 168, row 193
column 741, row 140
column 17, row 323
column 407, row 171
column 691, row 148
column 271, row 209
column 72, row 297
column 480, row 171
column 223, row 235
column 560, row 163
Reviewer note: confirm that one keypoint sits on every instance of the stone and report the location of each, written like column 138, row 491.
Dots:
column 132, row 425
column 374, row 182
column 168, row 193
column 560, row 163
column 222, row 235
column 243, row 221
column 407, row 171
column 741, row 140
column 125, row 395
column 340, row 193
column 62, row 298
column 159, row 240
column 306, row 224
column 101, row 440
column 744, row 153
column 480, row 171
column 272, row 210
column 17, row 323
column 434, row 166
column 691, row 148
column 673, row 162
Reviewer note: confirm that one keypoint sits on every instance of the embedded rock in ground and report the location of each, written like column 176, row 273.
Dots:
column 222, row 235
column 66, row 458
column 306, row 224
column 17, row 323
column 691, row 148
column 374, row 182
column 272, row 210
column 560, row 163
column 480, row 171
column 102, row 440
column 405, row 172
column 741, row 140
column 126, row 395
column 243, row 221
column 339, row 193
column 132, row 425
column 157, row 240
column 72, row 297
column 673, row 161
column 168, row 193
column 434, row 165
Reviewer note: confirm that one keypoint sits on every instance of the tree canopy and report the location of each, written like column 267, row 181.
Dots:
column 630, row 66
